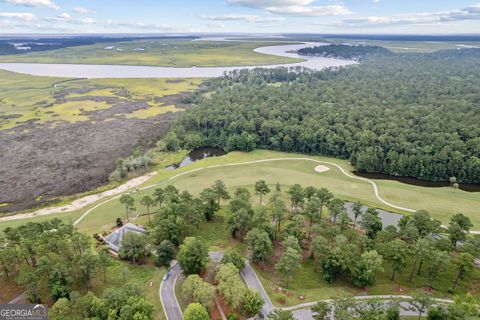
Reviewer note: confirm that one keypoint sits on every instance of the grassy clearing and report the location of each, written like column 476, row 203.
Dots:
column 120, row 272
column 152, row 112
column 46, row 100
column 149, row 87
column 306, row 282
column 441, row 202
column 215, row 233
column 145, row 276
column 173, row 53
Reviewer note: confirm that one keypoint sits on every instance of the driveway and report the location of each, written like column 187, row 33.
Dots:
column 254, row 283
column 167, row 295
column 306, row 313
column 167, row 290
column 302, row 312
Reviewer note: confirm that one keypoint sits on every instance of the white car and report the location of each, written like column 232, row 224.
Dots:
column 165, row 277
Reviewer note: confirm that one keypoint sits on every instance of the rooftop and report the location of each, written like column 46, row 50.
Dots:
column 114, row 239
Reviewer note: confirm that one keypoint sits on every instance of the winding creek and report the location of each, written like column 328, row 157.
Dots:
column 124, row 71
column 195, row 155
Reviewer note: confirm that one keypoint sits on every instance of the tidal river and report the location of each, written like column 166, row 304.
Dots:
column 122, row 71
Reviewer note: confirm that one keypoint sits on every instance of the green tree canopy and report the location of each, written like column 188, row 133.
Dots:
column 193, row 256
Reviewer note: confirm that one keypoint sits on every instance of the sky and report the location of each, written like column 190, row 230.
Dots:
column 240, row 16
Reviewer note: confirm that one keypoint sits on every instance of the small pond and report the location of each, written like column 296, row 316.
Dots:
column 197, row 154
column 388, row 218
column 418, row 182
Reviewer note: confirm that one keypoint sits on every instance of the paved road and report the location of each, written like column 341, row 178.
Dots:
column 167, row 295
column 302, row 312
column 306, row 313
column 254, row 283
column 167, row 290
column 20, row 298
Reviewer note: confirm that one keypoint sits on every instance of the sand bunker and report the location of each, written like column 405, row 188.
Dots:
column 321, row 168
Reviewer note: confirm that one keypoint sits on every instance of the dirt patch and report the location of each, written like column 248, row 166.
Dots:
column 10, row 291
column 41, row 163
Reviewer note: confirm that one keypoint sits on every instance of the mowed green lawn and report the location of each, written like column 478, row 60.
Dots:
column 441, row 202
column 172, row 53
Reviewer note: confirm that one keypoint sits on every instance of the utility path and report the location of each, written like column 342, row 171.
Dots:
column 80, row 203
column 374, row 185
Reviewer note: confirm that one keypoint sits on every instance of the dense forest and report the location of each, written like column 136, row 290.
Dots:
column 405, row 114
column 345, row 51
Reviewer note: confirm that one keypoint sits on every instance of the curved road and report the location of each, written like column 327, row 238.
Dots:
column 302, row 311
column 374, row 185
column 348, row 174
column 250, row 277
column 406, row 309
column 170, row 304
column 169, row 300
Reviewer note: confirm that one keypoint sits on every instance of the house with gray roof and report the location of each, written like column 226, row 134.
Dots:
column 114, row 239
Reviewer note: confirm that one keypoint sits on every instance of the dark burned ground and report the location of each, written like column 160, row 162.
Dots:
column 39, row 163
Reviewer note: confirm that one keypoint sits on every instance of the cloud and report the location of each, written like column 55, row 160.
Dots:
column 270, row 3
column 135, row 25
column 243, row 17
column 81, row 10
column 24, row 16
column 64, row 16
column 215, row 25
column 467, row 13
column 34, row 3
column 333, row 10
column 302, row 8
column 86, row 21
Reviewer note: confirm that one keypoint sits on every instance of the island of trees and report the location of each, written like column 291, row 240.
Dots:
column 351, row 52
